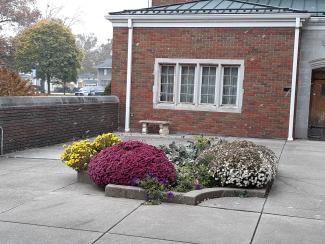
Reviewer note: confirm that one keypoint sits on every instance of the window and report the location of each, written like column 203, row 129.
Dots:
column 230, row 84
column 199, row 84
column 167, row 83
column 187, row 84
column 208, row 84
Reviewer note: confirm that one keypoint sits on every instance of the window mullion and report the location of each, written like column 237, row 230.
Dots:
column 200, row 84
column 218, row 88
column 196, row 85
column 177, row 84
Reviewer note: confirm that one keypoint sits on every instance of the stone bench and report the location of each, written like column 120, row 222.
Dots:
column 163, row 126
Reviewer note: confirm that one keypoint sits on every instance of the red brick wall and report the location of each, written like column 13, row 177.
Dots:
column 48, row 123
column 166, row 2
column 268, row 62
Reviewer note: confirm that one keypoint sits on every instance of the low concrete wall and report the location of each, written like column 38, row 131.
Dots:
column 29, row 122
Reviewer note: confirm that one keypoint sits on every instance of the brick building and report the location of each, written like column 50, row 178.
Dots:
column 238, row 68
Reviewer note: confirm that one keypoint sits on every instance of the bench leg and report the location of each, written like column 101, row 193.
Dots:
column 144, row 128
column 163, row 130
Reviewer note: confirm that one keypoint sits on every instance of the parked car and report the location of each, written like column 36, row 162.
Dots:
column 90, row 91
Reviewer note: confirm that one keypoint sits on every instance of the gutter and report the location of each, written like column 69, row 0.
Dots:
column 217, row 16
column 294, row 79
column 209, row 20
column 129, row 76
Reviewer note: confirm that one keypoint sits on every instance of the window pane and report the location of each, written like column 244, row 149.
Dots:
column 230, row 85
column 208, row 84
column 167, row 83
column 187, row 84
column 204, row 90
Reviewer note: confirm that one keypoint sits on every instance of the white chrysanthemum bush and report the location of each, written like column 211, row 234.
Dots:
column 240, row 164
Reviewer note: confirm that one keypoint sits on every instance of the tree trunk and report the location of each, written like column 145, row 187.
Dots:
column 42, row 86
column 64, row 87
column 48, row 84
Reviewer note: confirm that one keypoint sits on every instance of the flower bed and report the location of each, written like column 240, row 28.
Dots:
column 199, row 169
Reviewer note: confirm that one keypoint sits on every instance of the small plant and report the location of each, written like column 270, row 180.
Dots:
column 193, row 176
column 106, row 140
column 185, row 179
column 185, row 154
column 154, row 190
column 78, row 154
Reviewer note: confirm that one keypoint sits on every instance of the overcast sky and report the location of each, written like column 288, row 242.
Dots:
column 92, row 13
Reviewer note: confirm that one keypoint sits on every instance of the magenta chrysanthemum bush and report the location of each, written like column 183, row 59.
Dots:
column 128, row 163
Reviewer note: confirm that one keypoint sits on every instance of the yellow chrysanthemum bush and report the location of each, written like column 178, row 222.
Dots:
column 77, row 155
column 106, row 140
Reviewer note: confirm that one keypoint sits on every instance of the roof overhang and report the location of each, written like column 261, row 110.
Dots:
column 316, row 24
column 211, row 20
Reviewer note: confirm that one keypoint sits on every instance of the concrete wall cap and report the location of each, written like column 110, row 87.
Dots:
column 27, row 101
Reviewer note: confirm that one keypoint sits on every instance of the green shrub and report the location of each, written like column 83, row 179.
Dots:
column 108, row 90
column 184, row 154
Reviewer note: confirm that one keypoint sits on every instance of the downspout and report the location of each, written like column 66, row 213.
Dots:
column 294, row 80
column 1, row 140
column 129, row 77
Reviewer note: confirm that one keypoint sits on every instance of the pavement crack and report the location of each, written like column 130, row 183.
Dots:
column 14, row 207
column 230, row 209
column 58, row 189
column 261, row 214
column 117, row 223
column 152, row 238
column 293, row 216
column 49, row 226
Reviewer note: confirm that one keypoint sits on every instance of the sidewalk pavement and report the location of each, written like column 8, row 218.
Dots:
column 41, row 202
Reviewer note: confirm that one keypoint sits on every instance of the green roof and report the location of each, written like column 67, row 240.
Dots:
column 315, row 7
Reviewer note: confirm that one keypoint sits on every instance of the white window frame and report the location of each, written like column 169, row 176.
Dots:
column 159, row 88
column 197, row 105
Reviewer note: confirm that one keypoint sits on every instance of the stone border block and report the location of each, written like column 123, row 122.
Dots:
column 189, row 198
column 131, row 192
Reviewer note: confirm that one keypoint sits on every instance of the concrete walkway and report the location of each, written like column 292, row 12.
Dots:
column 40, row 202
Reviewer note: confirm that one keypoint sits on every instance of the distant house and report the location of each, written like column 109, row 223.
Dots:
column 87, row 79
column 246, row 68
column 104, row 72
column 31, row 77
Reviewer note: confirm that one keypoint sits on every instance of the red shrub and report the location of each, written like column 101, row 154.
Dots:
column 12, row 85
column 129, row 162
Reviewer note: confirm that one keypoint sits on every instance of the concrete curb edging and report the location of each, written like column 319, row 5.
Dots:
column 189, row 198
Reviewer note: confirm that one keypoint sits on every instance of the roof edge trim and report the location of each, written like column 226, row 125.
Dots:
column 221, row 20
